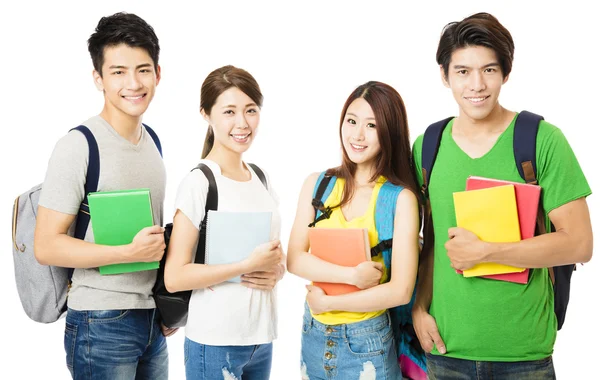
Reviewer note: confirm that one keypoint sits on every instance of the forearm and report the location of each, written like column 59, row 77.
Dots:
column 312, row 268
column 66, row 251
column 548, row 250
column 379, row 297
column 199, row 276
column 425, row 282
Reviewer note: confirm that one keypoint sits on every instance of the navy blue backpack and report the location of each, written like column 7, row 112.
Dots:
column 524, row 146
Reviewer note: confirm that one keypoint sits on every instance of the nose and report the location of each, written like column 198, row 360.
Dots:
column 133, row 81
column 477, row 81
column 241, row 120
column 359, row 133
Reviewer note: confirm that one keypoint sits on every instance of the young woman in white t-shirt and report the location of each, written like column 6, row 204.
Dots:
column 230, row 325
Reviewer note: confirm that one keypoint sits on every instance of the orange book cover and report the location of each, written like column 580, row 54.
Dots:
column 341, row 246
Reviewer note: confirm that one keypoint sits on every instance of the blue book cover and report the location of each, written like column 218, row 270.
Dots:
column 231, row 236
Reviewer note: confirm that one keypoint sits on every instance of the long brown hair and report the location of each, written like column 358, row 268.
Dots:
column 219, row 81
column 394, row 162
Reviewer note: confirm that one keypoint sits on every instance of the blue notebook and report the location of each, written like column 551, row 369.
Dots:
column 231, row 236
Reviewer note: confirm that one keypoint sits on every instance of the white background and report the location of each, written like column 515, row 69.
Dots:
column 307, row 57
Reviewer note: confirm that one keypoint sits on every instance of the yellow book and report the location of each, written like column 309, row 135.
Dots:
column 492, row 215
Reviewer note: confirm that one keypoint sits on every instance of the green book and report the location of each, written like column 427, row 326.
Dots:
column 117, row 216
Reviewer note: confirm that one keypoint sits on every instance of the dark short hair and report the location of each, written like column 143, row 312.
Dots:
column 122, row 28
column 480, row 29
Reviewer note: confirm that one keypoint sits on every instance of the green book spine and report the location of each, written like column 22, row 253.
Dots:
column 116, row 217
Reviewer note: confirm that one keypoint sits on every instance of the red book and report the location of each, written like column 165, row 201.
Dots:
column 528, row 197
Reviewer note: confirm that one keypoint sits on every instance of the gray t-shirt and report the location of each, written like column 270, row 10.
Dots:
column 123, row 165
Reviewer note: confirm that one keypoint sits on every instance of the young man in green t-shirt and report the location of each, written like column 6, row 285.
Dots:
column 475, row 327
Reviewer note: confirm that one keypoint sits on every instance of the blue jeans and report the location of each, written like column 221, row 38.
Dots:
column 360, row 350
column 116, row 345
column 441, row 367
column 204, row 362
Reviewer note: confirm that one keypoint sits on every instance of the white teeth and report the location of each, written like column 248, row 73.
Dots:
column 134, row 97
column 358, row 147
column 476, row 100
column 240, row 137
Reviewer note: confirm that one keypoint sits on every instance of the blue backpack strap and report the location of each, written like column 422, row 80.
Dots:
column 155, row 138
column 406, row 338
column 524, row 140
column 323, row 188
column 431, row 145
column 260, row 174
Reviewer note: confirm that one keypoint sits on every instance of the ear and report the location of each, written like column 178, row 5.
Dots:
column 205, row 115
column 443, row 76
column 98, row 81
column 157, row 74
column 505, row 79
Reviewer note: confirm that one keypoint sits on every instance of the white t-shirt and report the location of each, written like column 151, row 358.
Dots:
column 230, row 314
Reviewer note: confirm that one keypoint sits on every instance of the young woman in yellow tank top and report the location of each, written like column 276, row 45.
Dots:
column 350, row 336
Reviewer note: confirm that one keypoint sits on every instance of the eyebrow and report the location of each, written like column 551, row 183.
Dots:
column 125, row 67
column 367, row 118
column 234, row 106
column 493, row 64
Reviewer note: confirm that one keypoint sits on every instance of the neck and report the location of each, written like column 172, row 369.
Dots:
column 129, row 127
column 229, row 162
column 493, row 123
column 363, row 174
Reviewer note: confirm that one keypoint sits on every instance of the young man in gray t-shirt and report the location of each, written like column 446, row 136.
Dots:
column 112, row 329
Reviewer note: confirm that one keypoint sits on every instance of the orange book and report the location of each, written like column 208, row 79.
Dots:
column 341, row 246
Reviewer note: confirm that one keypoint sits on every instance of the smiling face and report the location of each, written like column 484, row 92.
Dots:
column 234, row 119
column 128, row 80
column 475, row 78
column 359, row 133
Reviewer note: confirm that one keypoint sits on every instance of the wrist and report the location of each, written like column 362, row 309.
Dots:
column 124, row 253
column 350, row 276
column 487, row 252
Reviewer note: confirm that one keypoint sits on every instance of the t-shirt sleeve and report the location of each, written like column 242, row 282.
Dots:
column 191, row 197
column 64, row 186
column 559, row 172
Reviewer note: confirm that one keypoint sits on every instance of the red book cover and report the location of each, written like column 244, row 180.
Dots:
column 528, row 197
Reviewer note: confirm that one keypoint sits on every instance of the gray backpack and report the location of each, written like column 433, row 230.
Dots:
column 43, row 288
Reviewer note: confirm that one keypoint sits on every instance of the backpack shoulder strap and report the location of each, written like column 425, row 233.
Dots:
column 91, row 182
column 323, row 188
column 385, row 212
column 212, row 203
column 260, row 174
column 524, row 140
column 154, row 138
column 431, row 145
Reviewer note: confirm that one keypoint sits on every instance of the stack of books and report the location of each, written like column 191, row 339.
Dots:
column 500, row 212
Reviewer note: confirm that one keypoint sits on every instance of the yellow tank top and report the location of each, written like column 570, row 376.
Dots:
column 337, row 220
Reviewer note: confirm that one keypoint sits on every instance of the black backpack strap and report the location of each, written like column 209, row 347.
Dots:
column 155, row 138
column 260, row 174
column 318, row 204
column 382, row 246
column 525, row 135
column 212, row 203
column 431, row 145
column 91, row 182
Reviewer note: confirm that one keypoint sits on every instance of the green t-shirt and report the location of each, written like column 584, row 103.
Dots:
column 490, row 320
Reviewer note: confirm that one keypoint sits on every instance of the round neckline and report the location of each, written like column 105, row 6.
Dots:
column 220, row 172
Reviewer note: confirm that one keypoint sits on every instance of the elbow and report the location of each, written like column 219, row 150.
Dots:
column 585, row 252
column 403, row 297
column 291, row 268
column 41, row 252
column 171, row 284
